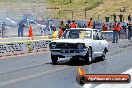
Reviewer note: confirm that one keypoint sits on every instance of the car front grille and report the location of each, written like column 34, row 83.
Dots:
column 67, row 45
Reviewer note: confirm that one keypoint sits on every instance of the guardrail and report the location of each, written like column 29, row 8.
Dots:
column 107, row 35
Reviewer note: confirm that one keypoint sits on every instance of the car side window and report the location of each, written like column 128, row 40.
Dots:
column 101, row 37
column 97, row 35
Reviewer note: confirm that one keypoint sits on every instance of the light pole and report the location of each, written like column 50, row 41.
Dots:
column 33, row 6
column 70, row 1
column 85, row 11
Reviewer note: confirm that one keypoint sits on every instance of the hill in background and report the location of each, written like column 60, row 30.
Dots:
column 65, row 9
column 97, row 9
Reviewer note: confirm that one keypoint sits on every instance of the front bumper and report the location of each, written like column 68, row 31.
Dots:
column 68, row 52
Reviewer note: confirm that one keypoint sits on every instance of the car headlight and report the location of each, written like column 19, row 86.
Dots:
column 52, row 45
column 80, row 46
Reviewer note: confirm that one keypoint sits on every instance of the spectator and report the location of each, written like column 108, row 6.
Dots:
column 67, row 26
column 69, row 21
column 115, row 32
column 94, row 23
column 73, row 24
column 79, row 25
column 105, row 27
column 119, row 27
column 129, row 31
column 62, row 28
column 53, row 27
column 84, row 25
column 20, row 29
column 110, row 27
column 124, row 28
column 90, row 23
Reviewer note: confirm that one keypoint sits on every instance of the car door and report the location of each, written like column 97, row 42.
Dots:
column 96, row 43
column 102, row 42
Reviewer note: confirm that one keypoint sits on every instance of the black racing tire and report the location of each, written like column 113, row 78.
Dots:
column 54, row 59
column 103, row 55
column 88, row 56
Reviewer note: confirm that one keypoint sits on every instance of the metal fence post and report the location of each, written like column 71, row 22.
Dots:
column 85, row 11
column 2, row 31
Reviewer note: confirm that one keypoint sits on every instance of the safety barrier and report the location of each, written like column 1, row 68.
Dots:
column 23, row 47
column 107, row 35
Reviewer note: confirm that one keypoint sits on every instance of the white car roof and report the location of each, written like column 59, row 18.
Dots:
column 81, row 29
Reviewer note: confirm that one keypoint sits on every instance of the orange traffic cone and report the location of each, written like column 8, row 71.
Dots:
column 30, row 33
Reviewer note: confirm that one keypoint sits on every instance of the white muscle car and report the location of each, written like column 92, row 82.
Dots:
column 78, row 43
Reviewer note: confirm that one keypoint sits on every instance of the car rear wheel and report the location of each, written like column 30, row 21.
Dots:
column 88, row 56
column 54, row 59
column 103, row 55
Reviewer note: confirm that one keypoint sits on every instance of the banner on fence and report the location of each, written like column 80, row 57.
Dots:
column 15, row 48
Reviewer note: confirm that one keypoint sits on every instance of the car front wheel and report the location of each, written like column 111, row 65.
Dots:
column 54, row 59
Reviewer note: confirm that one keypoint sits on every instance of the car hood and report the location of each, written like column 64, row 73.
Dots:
column 71, row 40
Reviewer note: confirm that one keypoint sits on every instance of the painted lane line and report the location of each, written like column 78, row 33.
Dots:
column 28, row 77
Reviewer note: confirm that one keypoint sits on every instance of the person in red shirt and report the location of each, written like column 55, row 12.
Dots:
column 62, row 28
column 105, row 27
column 90, row 23
column 115, row 32
column 73, row 24
column 119, row 27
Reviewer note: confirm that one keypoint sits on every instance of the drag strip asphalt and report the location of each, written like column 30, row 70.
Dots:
column 37, row 71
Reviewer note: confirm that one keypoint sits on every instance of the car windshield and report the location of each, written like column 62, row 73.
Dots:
column 74, row 34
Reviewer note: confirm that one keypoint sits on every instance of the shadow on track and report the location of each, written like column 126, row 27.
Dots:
column 79, row 62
